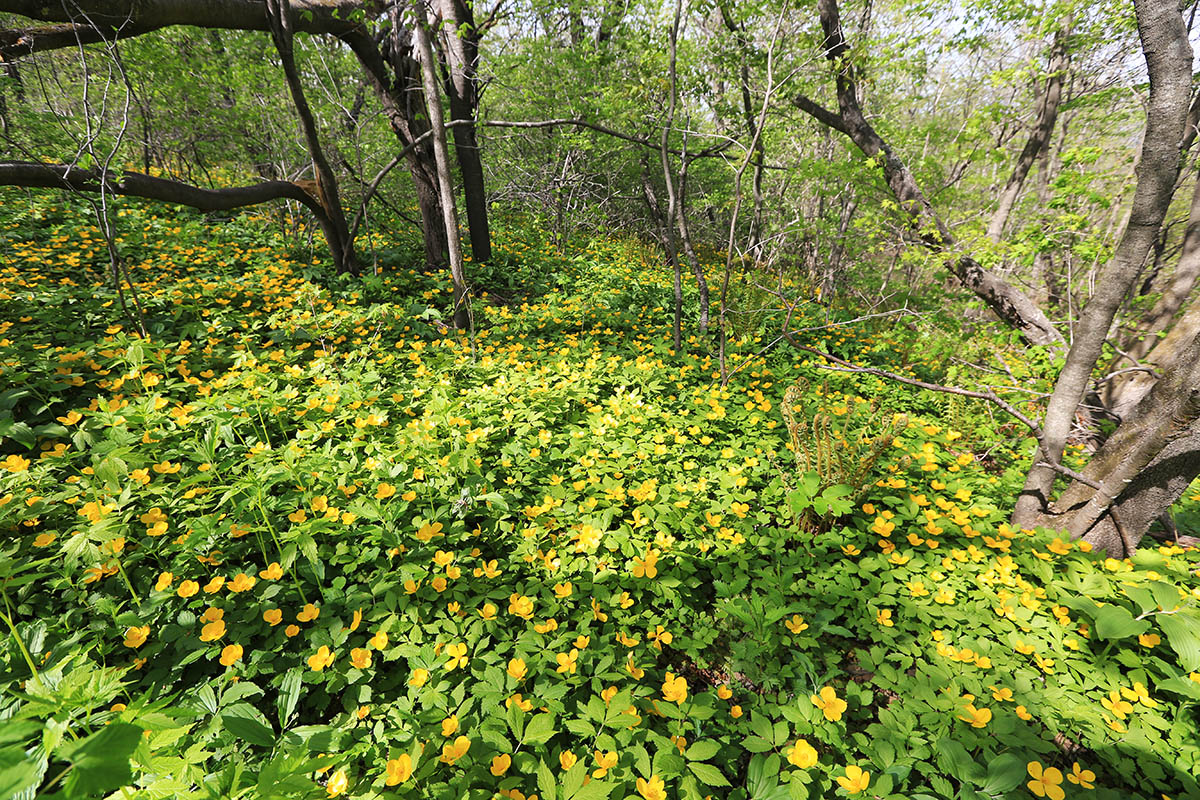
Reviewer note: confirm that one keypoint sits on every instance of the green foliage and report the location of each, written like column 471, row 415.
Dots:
column 316, row 545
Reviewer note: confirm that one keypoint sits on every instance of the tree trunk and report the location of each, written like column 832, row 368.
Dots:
column 1144, row 467
column 672, row 199
column 433, row 102
column 1039, row 138
column 685, row 237
column 1005, row 300
column 340, row 245
column 1168, row 59
column 462, row 61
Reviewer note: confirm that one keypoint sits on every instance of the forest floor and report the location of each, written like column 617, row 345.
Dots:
column 305, row 541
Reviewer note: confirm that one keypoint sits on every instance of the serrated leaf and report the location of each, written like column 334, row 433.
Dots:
column 703, row 750
column 708, row 774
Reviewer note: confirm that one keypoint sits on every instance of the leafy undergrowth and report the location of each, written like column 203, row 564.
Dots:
column 304, row 542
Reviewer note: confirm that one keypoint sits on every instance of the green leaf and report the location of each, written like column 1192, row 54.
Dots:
column 708, row 774
column 1004, row 772
column 1115, row 622
column 100, row 763
column 248, row 729
column 703, row 750
column 540, row 729
column 956, row 761
column 289, row 694
column 545, row 780
column 17, row 773
column 1183, row 634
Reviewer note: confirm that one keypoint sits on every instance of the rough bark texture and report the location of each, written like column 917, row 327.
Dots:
column 1039, row 137
column 1169, row 61
column 1005, row 300
column 462, row 61
column 1144, row 466
column 433, row 103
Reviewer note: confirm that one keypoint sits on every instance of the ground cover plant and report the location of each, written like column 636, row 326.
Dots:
column 304, row 540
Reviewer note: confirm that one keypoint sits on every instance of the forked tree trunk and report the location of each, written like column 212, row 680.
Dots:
column 1169, row 61
column 1143, row 468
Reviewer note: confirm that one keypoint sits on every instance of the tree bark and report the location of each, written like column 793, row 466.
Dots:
column 462, row 62
column 135, row 184
column 1039, row 138
column 685, row 238
column 109, row 20
column 433, row 103
column 1168, row 59
column 1144, row 467
column 341, row 246
column 1005, row 300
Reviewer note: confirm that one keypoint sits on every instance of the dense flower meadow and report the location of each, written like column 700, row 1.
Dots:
column 305, row 541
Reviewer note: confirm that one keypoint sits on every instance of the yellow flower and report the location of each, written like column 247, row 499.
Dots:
column 187, row 589
column 884, row 617
column 488, row 611
column 802, row 755
column 321, row 659
column 163, row 582
column 977, row 717
column 1083, row 778
column 15, row 463
column 272, row 573
column 1001, row 694
column 517, row 669
column 566, row 760
column 458, row 656
column 384, row 490
column 214, row 586
column 830, row 704
column 450, row 726
column 604, row 762
column 1046, row 782
column 379, row 640
column 645, row 567
column 520, row 605
column 418, row 678
column 675, row 689
column 1023, row 713
column 796, row 624
column 231, row 654
column 44, row 540
column 735, row 711
column 453, row 752
column 242, row 582
column 1149, row 640
column 724, row 692
column 398, row 770
column 338, row 783
column 653, row 789
column 273, row 616
column 212, row 631
column 136, row 636
column 309, row 613
column 563, row 590
column 360, row 657
column 500, row 764
column 855, row 779
column 567, row 662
